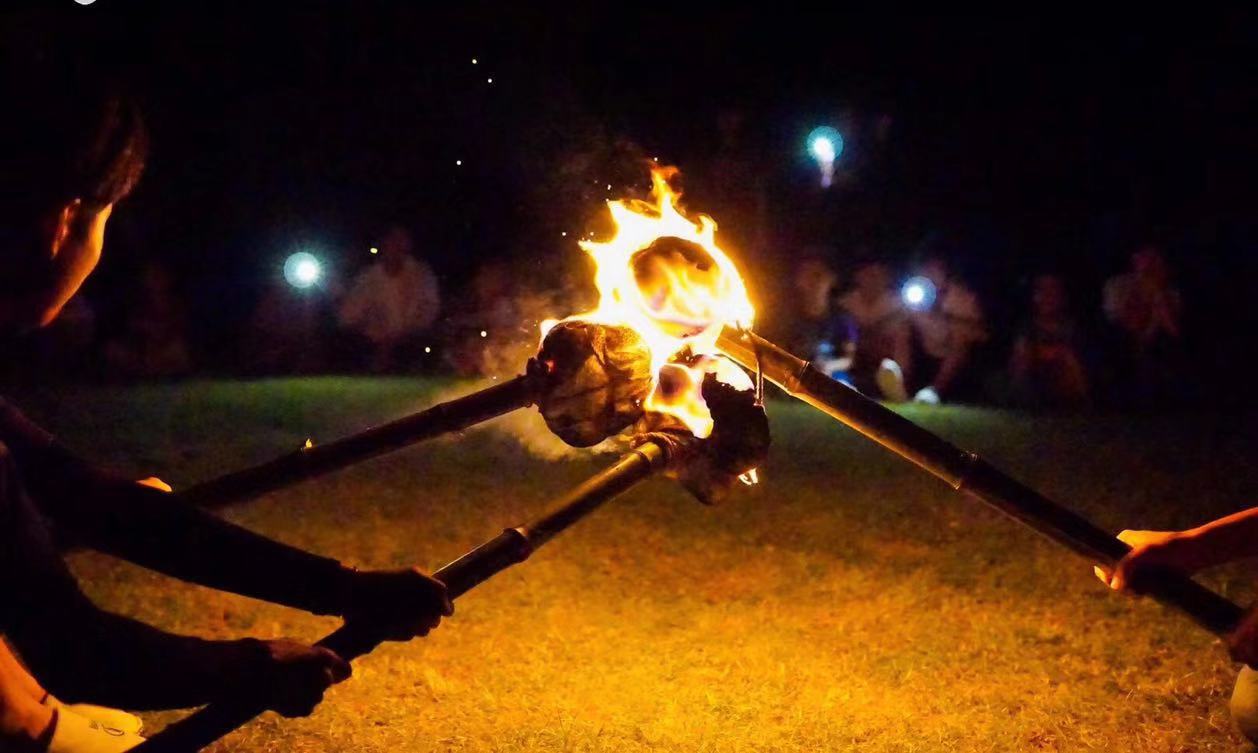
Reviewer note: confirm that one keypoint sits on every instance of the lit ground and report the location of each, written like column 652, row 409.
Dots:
column 849, row 603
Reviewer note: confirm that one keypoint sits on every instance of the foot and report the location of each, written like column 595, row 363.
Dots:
column 890, row 381
column 76, row 734
column 927, row 396
column 103, row 715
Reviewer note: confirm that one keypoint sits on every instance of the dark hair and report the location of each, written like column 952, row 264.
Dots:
column 64, row 136
column 67, row 136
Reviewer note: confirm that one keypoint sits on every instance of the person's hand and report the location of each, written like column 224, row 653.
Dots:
column 1151, row 551
column 153, row 482
column 290, row 677
column 396, row 605
column 1242, row 644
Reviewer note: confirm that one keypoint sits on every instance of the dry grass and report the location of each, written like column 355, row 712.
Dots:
column 849, row 603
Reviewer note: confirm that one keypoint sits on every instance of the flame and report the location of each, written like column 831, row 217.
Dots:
column 677, row 303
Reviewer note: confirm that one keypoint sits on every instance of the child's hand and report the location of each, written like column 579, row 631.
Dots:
column 1150, row 551
column 153, row 482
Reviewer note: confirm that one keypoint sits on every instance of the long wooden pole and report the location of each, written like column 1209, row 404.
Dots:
column 967, row 472
column 317, row 460
column 512, row 546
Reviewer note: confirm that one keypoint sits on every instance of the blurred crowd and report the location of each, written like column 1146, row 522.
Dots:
column 917, row 332
column 904, row 325
column 388, row 316
column 925, row 335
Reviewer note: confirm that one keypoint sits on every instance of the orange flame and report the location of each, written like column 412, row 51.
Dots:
column 677, row 304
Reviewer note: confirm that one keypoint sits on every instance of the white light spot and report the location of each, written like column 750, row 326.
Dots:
column 564, row 233
column 374, row 250
column 427, row 348
column 489, row 80
column 473, row 61
column 918, row 293
column 302, row 270
column 483, row 333
column 458, row 162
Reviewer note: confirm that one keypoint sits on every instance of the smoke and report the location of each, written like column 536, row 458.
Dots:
column 526, row 427
column 500, row 332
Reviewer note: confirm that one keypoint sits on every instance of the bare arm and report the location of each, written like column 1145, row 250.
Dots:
column 1227, row 539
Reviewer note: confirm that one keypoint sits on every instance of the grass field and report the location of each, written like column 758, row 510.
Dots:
column 848, row 603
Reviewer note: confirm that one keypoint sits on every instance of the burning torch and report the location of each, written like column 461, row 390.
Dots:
column 591, row 381
column 699, row 292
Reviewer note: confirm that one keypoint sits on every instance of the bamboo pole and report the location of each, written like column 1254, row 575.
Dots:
column 967, row 472
column 512, row 546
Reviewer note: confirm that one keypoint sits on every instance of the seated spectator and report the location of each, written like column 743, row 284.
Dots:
column 882, row 332
column 945, row 334
column 1145, row 309
column 286, row 332
column 820, row 330
column 1046, row 367
column 153, row 344
column 391, row 302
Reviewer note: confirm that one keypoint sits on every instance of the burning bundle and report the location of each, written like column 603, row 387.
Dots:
column 659, row 361
column 683, row 408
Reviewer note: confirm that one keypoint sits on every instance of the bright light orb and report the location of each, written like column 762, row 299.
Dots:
column 302, row 270
column 825, row 144
column 918, row 293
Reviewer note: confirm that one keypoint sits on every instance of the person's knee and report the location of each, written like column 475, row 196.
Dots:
column 1244, row 704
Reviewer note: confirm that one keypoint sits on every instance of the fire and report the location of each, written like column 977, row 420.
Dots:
column 664, row 275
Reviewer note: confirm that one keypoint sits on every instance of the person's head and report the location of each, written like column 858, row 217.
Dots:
column 872, row 279
column 935, row 269
column 395, row 246
column 815, row 281
column 1148, row 262
column 69, row 151
column 1048, row 295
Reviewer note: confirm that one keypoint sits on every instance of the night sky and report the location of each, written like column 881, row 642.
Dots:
column 1017, row 142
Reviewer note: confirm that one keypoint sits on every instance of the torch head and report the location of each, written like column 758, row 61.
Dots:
column 712, row 467
column 597, row 378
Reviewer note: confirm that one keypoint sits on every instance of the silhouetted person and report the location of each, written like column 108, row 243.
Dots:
column 1144, row 306
column 1046, row 365
column 882, row 332
column 820, row 329
column 945, row 334
column 68, row 154
column 153, row 342
column 392, row 301
column 286, row 331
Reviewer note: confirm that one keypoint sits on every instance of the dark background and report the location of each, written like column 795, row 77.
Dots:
column 1014, row 143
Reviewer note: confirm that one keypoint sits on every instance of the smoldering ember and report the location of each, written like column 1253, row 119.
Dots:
column 299, row 303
